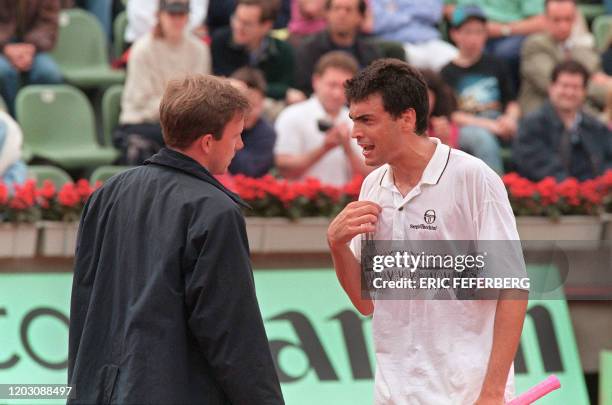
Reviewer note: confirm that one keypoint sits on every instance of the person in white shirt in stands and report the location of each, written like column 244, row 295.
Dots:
column 313, row 137
column 169, row 51
column 141, row 16
column 427, row 352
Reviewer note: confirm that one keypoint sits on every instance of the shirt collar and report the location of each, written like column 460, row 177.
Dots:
column 433, row 171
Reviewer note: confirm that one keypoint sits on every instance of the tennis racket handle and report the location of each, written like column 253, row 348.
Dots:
column 536, row 392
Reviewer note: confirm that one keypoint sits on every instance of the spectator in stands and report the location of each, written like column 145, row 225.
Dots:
column 487, row 106
column 28, row 30
column 543, row 51
column 166, row 52
column 142, row 16
column 248, row 43
column 307, row 18
column 442, row 105
column 344, row 19
column 313, row 137
column 256, row 158
column 606, row 57
column 12, row 169
column 414, row 24
column 560, row 139
column 508, row 24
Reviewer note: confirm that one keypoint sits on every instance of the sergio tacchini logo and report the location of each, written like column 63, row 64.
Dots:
column 430, row 217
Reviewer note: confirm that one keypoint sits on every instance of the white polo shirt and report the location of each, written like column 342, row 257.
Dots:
column 297, row 133
column 436, row 352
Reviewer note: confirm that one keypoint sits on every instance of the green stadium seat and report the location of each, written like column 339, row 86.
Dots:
column 58, row 125
column 104, row 173
column 111, row 107
column 81, row 51
column 602, row 30
column 605, row 378
column 591, row 11
column 119, row 26
column 44, row 172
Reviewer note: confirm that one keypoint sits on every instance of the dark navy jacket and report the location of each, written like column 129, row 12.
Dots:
column 542, row 139
column 163, row 300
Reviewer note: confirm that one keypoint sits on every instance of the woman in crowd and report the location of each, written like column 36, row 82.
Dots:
column 166, row 52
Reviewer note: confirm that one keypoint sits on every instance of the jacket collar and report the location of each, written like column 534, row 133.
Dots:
column 178, row 161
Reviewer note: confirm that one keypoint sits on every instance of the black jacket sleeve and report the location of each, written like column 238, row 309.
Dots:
column 224, row 316
column 535, row 155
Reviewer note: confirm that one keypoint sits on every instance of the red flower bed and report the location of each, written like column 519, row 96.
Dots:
column 272, row 197
column 548, row 197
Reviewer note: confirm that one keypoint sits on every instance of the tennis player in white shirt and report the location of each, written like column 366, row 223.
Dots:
column 427, row 352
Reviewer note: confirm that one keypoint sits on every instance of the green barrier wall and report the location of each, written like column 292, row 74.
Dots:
column 322, row 346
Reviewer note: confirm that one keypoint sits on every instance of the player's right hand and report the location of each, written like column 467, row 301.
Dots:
column 356, row 218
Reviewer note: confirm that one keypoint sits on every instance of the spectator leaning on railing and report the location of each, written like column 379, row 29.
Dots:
column 167, row 52
column 28, row 30
column 560, row 139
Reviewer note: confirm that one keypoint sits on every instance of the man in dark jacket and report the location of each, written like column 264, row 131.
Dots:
column 28, row 30
column 560, row 139
column 163, row 301
column 248, row 43
column 344, row 20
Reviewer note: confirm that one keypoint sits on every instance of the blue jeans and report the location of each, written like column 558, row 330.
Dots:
column 103, row 10
column 44, row 70
column 15, row 173
column 508, row 49
column 482, row 144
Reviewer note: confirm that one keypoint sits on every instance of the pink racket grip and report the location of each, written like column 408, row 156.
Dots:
column 536, row 392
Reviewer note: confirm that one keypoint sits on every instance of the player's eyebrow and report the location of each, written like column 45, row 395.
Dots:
column 361, row 117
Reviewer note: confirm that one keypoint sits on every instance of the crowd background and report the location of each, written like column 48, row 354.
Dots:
column 525, row 85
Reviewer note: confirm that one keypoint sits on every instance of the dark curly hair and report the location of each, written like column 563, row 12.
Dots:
column 401, row 87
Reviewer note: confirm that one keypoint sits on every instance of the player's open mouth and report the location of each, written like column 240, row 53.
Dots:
column 367, row 148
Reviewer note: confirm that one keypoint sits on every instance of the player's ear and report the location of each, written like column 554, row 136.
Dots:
column 205, row 143
column 408, row 120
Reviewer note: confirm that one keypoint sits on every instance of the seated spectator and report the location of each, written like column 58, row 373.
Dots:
column 307, row 18
column 142, row 16
column 442, row 105
column 415, row 25
column 560, row 139
column 256, row 158
column 248, row 43
column 543, row 51
column 12, row 169
column 166, row 52
column 344, row 19
column 487, row 106
column 313, row 137
column 508, row 24
column 28, row 30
